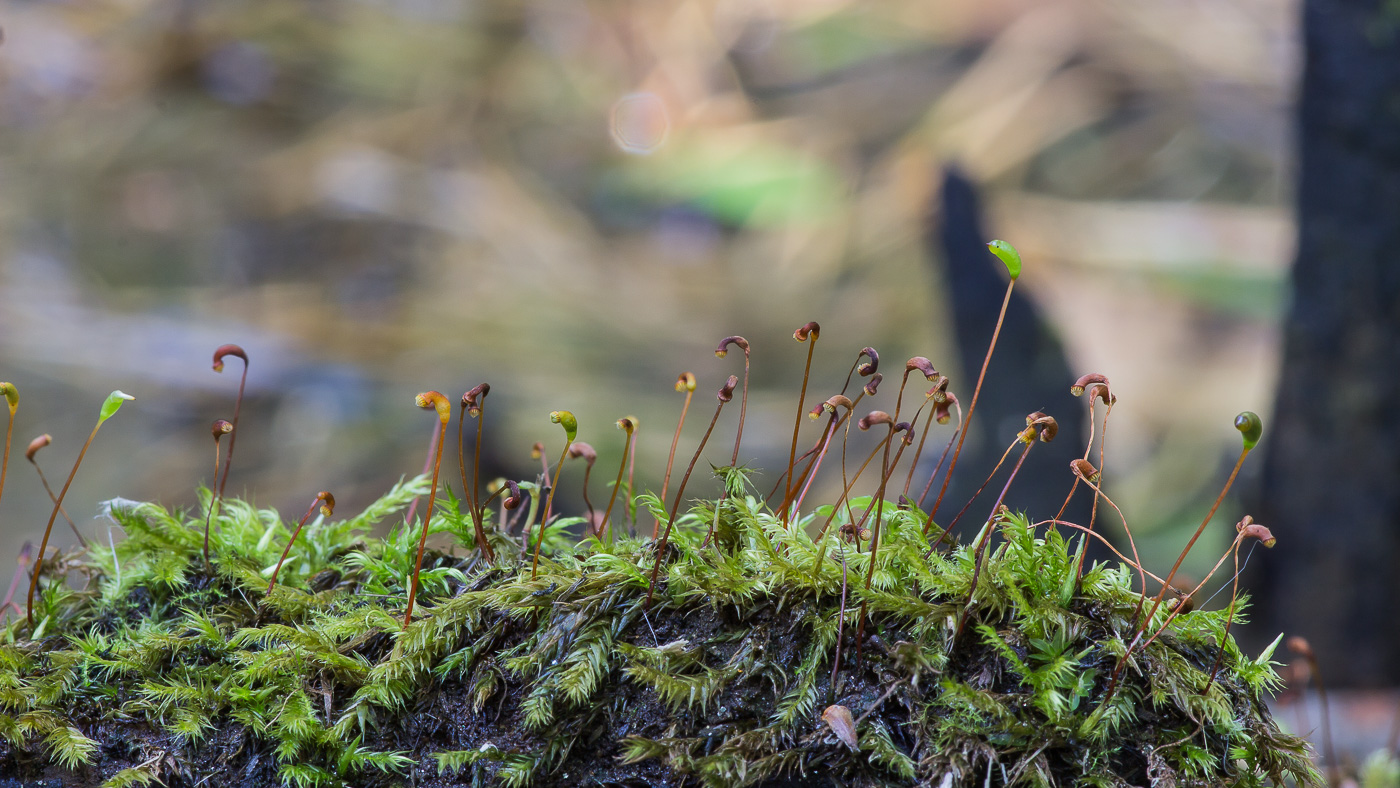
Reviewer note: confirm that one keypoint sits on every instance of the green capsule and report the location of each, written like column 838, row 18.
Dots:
column 114, row 401
column 1251, row 427
column 566, row 420
column 1008, row 255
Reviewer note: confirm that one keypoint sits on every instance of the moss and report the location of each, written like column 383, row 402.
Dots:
column 158, row 670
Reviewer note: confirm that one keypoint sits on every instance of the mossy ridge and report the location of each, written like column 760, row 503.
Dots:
column 158, row 671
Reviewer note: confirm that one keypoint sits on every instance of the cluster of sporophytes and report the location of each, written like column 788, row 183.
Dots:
column 740, row 640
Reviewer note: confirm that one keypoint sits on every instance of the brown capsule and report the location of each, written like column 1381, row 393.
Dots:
column 220, row 428
column 327, row 503
column 1077, row 388
column 873, row 385
column 923, row 365
column 942, row 412
column 1181, row 605
column 514, row 499
column 939, row 392
column 726, row 392
column 37, row 444
column 874, row 417
column 1048, row 427
column 472, row 400
column 579, row 449
column 1096, row 385
column 1250, row 529
column 907, row 429
column 812, row 329
column 838, row 401
column 870, row 367
column 723, row 349
column 537, row 450
column 436, row 401
column 227, row 350
column 1300, row 646
column 1084, row 470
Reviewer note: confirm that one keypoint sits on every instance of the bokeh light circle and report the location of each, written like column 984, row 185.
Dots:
column 639, row 123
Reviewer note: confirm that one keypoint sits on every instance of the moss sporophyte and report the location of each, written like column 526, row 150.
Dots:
column 559, row 649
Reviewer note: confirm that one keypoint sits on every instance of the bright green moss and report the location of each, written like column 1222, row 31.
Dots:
column 568, row 678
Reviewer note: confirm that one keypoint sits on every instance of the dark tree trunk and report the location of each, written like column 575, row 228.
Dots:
column 1331, row 483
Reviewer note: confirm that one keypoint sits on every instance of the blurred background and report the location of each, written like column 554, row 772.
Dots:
column 576, row 200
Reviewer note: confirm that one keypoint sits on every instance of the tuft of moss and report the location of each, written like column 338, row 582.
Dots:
column 158, row 672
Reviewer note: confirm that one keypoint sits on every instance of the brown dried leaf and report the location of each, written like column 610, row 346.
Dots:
column 843, row 725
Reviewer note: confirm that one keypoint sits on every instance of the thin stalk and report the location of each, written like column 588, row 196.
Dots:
column 627, row 424
column 975, row 496
column 537, row 452
column 434, row 450
column 924, row 367
column 1040, row 426
column 886, row 470
column 816, row 447
column 812, row 331
column 578, row 450
column 219, row 354
column 22, row 562
column 782, row 477
column 435, row 400
column 1229, row 619
column 1246, row 527
column 919, row 451
column 720, row 352
column 845, row 493
column 471, row 406
column 219, row 429
column 972, row 406
column 566, row 420
column 840, row 622
column 1094, row 509
column 1301, row 647
column 816, row 464
column 1012, row 260
column 548, row 506
column 29, row 454
column 980, row 548
column 934, row 475
column 1157, row 602
column 1104, row 540
column 686, row 383
column 1142, row 574
column 327, row 503
column 1098, row 384
column 824, row 442
column 11, row 395
column 726, row 393
column 109, row 407
column 631, row 488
